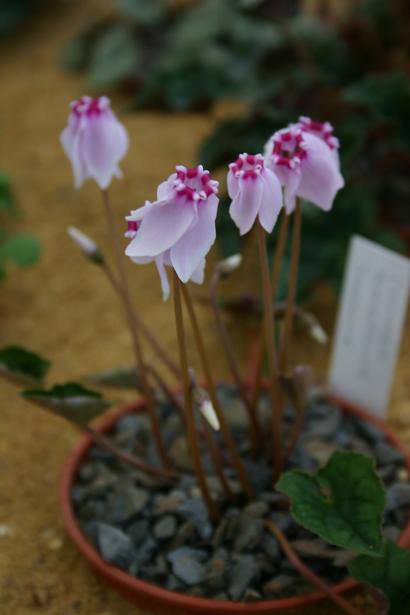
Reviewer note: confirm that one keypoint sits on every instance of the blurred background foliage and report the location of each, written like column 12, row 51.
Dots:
column 281, row 63
column 14, row 13
column 16, row 249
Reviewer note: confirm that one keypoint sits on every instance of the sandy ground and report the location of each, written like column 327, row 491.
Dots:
column 64, row 309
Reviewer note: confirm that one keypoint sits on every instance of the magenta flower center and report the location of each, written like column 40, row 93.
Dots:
column 248, row 166
column 132, row 228
column 194, row 184
column 87, row 106
column 288, row 148
column 323, row 130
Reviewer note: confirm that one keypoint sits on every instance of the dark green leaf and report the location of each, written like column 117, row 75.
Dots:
column 72, row 401
column 7, row 198
column 146, row 12
column 115, row 57
column 343, row 502
column 22, row 365
column 22, row 249
column 125, row 378
column 390, row 574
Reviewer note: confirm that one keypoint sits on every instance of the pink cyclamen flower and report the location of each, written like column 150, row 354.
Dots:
column 306, row 164
column 94, row 141
column 178, row 229
column 255, row 192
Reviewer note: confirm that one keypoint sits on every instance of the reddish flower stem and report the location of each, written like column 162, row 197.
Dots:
column 276, row 268
column 306, row 572
column 291, row 298
column 129, row 458
column 275, row 392
column 188, row 404
column 217, row 460
column 127, row 303
column 226, row 434
column 255, row 428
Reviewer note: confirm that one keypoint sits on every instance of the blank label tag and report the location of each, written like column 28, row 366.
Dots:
column 369, row 325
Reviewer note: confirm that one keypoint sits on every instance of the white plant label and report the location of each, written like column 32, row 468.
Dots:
column 369, row 325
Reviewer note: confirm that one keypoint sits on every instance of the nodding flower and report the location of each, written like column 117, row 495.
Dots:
column 255, row 192
column 94, row 140
column 305, row 158
column 178, row 229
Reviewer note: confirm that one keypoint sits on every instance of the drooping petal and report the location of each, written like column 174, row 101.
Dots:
column 166, row 188
column 163, row 276
column 139, row 213
column 271, row 201
column 71, row 142
column 233, row 184
column 199, row 273
column 105, row 143
column 188, row 253
column 245, row 206
column 321, row 178
column 290, row 180
column 161, row 227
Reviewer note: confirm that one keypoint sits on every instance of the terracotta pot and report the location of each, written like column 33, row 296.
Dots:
column 156, row 600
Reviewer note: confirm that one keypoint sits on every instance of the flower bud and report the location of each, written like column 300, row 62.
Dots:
column 86, row 244
column 228, row 265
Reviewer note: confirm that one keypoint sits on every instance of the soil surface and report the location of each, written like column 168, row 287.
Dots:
column 64, row 309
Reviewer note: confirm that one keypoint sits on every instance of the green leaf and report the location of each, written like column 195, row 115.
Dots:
column 343, row 502
column 72, row 401
column 145, row 12
column 125, row 378
column 390, row 574
column 115, row 57
column 22, row 249
column 22, row 365
column 7, row 198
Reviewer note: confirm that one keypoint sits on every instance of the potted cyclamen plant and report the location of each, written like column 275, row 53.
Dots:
column 207, row 501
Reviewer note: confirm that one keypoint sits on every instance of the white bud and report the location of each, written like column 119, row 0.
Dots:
column 319, row 334
column 228, row 265
column 87, row 245
column 207, row 410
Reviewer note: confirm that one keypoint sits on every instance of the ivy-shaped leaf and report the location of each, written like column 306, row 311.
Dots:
column 123, row 378
column 22, row 365
column 343, row 502
column 390, row 574
column 22, row 249
column 72, row 401
column 145, row 12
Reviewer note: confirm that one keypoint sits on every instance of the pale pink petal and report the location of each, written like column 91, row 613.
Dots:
column 161, row 227
column 71, row 142
column 194, row 245
column 321, row 178
column 105, row 143
column 290, row 180
column 166, row 188
column 163, row 276
column 140, row 212
column 233, row 184
column 199, row 273
column 245, row 206
column 271, row 201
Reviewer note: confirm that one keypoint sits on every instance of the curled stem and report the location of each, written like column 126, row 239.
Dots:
column 188, row 404
column 128, row 308
column 255, row 428
column 226, row 434
column 306, row 572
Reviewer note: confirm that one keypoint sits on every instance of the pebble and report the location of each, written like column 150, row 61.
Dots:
column 165, row 528
column 138, row 531
column 186, row 565
column 195, row 510
column 125, row 503
column 248, row 535
column 398, row 495
column 386, row 454
column 257, row 510
column 277, row 585
column 115, row 546
column 241, row 575
column 312, row 548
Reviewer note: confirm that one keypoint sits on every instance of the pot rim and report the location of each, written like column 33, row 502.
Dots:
column 155, row 593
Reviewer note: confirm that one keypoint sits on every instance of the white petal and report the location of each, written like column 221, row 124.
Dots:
column 245, row 206
column 271, row 202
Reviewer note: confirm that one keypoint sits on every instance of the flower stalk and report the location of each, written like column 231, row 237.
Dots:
column 188, row 404
column 111, row 225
